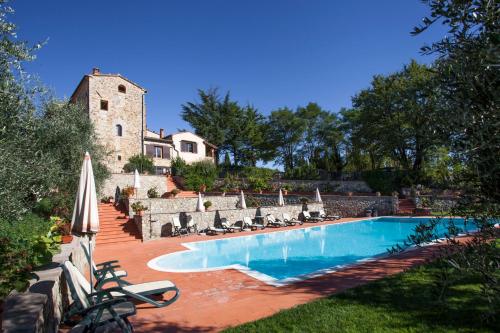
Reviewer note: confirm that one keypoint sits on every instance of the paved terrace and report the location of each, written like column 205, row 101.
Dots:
column 212, row 301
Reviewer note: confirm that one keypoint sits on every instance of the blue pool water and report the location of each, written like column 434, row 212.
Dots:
column 293, row 253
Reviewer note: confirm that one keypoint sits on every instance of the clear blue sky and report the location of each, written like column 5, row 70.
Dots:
column 267, row 53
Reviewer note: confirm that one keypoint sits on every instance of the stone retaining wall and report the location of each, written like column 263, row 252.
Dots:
column 117, row 181
column 158, row 225
column 438, row 204
column 40, row 308
column 357, row 205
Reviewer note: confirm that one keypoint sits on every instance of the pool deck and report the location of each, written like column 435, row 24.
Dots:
column 212, row 301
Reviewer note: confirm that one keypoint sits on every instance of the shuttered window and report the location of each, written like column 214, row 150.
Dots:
column 189, row 147
column 166, row 152
column 150, row 150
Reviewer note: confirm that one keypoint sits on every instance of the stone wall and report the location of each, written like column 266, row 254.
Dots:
column 357, row 205
column 117, row 181
column 438, row 204
column 158, row 225
column 40, row 308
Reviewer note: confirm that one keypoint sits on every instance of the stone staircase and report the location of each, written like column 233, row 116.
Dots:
column 183, row 194
column 406, row 207
column 115, row 227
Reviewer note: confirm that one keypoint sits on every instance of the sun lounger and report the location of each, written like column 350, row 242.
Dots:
column 96, row 309
column 214, row 230
column 230, row 227
column 290, row 221
column 309, row 218
column 104, row 270
column 324, row 216
column 192, row 227
column 138, row 291
column 178, row 229
column 248, row 223
column 274, row 221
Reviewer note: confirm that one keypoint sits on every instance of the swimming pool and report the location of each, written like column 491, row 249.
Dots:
column 285, row 256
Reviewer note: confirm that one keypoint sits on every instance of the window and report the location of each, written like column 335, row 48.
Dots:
column 119, row 157
column 122, row 89
column 189, row 147
column 119, row 130
column 158, row 152
column 104, row 105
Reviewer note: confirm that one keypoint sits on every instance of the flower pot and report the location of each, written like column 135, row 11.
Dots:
column 66, row 239
column 285, row 192
column 378, row 194
column 223, row 194
column 139, row 213
column 112, row 200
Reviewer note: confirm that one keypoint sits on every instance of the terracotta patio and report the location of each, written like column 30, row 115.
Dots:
column 212, row 301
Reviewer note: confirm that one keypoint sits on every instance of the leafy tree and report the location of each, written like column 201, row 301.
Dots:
column 141, row 163
column 284, row 132
column 200, row 173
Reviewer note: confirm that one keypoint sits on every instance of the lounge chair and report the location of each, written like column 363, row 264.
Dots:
column 230, row 227
column 309, row 218
column 104, row 270
column 274, row 221
column 191, row 227
column 137, row 291
column 178, row 229
column 290, row 221
column 324, row 216
column 248, row 223
column 213, row 230
column 96, row 309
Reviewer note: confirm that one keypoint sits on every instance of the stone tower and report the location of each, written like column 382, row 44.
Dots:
column 117, row 109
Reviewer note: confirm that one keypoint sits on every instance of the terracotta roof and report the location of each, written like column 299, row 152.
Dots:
column 149, row 138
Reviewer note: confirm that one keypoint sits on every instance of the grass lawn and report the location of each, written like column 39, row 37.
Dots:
column 401, row 303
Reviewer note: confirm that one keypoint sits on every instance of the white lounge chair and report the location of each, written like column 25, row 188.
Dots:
column 248, row 223
column 191, row 225
column 231, row 227
column 290, row 221
column 213, row 230
column 178, row 229
column 309, row 218
column 324, row 216
column 274, row 221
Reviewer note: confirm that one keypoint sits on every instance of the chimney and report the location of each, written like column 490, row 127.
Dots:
column 96, row 71
column 161, row 133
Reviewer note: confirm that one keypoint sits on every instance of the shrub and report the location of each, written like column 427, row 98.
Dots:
column 25, row 244
column 179, row 166
column 258, row 183
column 128, row 191
column 138, row 207
column 175, row 191
column 141, row 163
column 153, row 193
column 207, row 204
column 200, row 173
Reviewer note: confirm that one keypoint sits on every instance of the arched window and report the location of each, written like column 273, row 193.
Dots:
column 122, row 89
column 119, row 130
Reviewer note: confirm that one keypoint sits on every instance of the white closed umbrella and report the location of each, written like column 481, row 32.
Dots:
column 199, row 204
column 243, row 204
column 85, row 220
column 281, row 201
column 137, row 182
column 318, row 196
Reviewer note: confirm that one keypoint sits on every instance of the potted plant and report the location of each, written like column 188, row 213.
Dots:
column 63, row 228
column 207, row 204
column 153, row 192
column 286, row 188
column 224, row 189
column 128, row 191
column 111, row 199
column 138, row 208
column 349, row 194
column 203, row 188
column 378, row 194
column 174, row 192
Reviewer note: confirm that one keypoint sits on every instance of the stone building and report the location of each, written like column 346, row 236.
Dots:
column 116, row 106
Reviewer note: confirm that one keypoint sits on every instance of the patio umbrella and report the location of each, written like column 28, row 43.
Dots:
column 281, row 201
column 85, row 220
column 137, row 182
column 243, row 204
column 318, row 196
column 199, row 204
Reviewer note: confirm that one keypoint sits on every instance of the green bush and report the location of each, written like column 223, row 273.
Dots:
column 141, row 163
column 258, row 183
column 25, row 244
column 386, row 182
column 153, row 193
column 303, row 172
column 200, row 173
column 179, row 166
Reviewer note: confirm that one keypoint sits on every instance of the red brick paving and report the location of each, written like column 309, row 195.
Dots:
column 212, row 301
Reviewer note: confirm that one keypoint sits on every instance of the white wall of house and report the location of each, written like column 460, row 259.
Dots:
column 183, row 144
